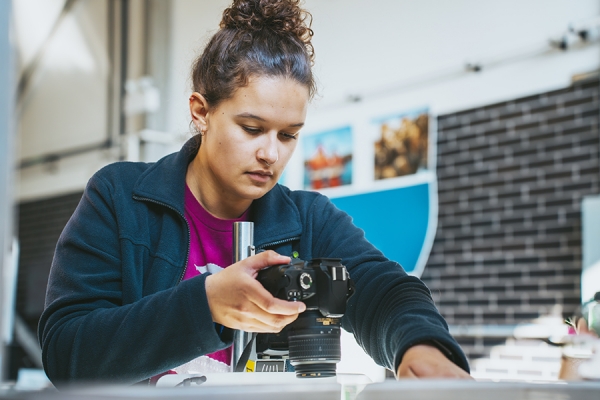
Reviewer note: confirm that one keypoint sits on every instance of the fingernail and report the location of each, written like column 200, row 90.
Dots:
column 301, row 307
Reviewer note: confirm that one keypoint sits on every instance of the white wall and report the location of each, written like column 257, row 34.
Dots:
column 388, row 43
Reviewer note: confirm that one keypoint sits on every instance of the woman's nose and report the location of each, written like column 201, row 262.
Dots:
column 268, row 152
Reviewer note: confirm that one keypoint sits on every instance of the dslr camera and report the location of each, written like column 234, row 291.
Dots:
column 312, row 342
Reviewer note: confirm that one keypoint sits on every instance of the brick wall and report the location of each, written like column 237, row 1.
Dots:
column 511, row 179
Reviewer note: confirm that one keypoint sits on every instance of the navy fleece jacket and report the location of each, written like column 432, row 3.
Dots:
column 117, row 310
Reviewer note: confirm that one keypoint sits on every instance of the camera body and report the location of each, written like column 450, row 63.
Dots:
column 313, row 340
column 322, row 284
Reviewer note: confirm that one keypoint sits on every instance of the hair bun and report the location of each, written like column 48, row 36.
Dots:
column 280, row 16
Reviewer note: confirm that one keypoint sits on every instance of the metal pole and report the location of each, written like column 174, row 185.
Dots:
column 243, row 247
column 6, row 172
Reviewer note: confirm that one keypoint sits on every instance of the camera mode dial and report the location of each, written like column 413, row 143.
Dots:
column 305, row 281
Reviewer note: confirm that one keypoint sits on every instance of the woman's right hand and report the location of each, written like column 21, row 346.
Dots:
column 238, row 301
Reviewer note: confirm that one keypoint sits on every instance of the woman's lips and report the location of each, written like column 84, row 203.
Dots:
column 260, row 175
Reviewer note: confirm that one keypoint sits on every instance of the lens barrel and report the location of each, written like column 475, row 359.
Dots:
column 314, row 345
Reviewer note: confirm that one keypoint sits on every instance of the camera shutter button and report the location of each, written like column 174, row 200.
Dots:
column 305, row 281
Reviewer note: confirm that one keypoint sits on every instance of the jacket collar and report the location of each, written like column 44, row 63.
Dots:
column 164, row 181
column 276, row 217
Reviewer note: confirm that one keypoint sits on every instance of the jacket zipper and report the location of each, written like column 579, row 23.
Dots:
column 187, row 256
column 278, row 242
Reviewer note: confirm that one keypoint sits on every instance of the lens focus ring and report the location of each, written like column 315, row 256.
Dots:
column 314, row 348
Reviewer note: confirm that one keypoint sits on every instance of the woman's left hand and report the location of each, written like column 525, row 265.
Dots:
column 583, row 328
column 426, row 361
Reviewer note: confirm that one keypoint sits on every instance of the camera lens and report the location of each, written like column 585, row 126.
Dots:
column 314, row 345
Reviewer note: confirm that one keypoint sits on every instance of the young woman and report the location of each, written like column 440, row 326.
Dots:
column 137, row 286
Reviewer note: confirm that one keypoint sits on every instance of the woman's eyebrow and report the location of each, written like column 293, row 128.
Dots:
column 251, row 116
column 256, row 117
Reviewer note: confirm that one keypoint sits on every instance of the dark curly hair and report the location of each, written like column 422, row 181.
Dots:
column 256, row 38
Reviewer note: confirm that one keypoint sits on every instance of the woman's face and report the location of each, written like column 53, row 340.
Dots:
column 249, row 138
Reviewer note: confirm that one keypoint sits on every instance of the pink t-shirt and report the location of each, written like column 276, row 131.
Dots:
column 211, row 248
